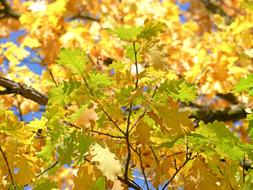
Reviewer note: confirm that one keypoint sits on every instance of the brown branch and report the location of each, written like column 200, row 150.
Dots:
column 131, row 184
column 128, row 159
column 203, row 113
column 206, row 114
column 7, row 11
column 25, row 91
column 178, row 170
column 128, row 142
column 84, row 16
column 138, row 151
column 20, row 112
column 8, row 167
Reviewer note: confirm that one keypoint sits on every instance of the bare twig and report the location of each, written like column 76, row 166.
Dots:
column 20, row 111
column 138, row 151
column 46, row 170
column 101, row 106
column 107, row 134
column 188, row 157
column 128, row 142
column 136, row 66
column 145, row 110
column 8, row 167
column 130, row 183
column 243, row 168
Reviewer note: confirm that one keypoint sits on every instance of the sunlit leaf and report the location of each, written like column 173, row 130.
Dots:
column 106, row 161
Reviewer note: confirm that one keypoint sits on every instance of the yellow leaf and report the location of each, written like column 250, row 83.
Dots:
column 23, row 173
column 11, row 126
column 86, row 175
column 142, row 132
column 31, row 42
column 117, row 185
column 200, row 177
column 106, row 162
column 171, row 120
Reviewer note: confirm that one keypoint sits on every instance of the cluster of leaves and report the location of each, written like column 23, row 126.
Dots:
column 105, row 121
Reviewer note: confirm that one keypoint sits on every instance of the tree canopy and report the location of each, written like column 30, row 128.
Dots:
column 124, row 94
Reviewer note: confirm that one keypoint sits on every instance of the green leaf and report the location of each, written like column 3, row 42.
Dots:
column 245, row 84
column 83, row 146
column 221, row 140
column 74, row 147
column 99, row 81
column 127, row 33
column 152, row 29
column 45, row 185
column 129, row 52
column 99, row 184
column 74, row 59
column 179, row 90
column 47, row 151
column 62, row 93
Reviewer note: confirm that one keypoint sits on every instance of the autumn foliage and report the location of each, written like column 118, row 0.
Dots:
column 142, row 94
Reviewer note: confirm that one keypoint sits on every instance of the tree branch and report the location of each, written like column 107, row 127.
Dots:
column 204, row 113
column 7, row 11
column 138, row 152
column 25, row 91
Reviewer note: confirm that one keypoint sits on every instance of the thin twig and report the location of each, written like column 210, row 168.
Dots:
column 49, row 70
column 188, row 157
column 243, row 168
column 129, row 183
column 46, row 170
column 107, row 134
column 71, row 124
column 20, row 111
column 52, row 76
column 145, row 110
column 136, row 66
column 142, row 168
column 8, row 167
column 101, row 106
column 128, row 142
column 154, row 154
